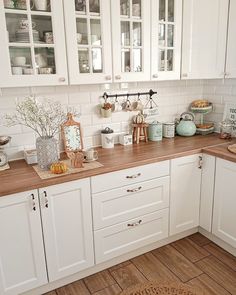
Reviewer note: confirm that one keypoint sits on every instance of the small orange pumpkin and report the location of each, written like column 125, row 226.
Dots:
column 58, row 168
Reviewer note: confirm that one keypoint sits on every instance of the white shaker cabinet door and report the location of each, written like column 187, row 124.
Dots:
column 33, row 51
column 207, row 191
column 224, row 217
column 131, row 40
column 67, row 226
column 88, row 35
column 231, row 46
column 22, row 260
column 204, row 38
column 166, row 28
column 184, row 193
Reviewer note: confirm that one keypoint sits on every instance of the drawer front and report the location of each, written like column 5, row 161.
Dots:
column 118, row 205
column 124, row 237
column 125, row 177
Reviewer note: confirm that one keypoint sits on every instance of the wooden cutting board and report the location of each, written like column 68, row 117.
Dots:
column 232, row 148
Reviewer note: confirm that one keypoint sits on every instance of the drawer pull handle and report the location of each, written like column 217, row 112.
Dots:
column 134, row 190
column 200, row 163
column 133, row 176
column 33, row 202
column 135, row 223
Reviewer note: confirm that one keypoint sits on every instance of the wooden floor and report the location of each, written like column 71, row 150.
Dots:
column 194, row 260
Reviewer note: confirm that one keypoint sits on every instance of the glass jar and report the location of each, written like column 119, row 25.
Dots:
column 226, row 128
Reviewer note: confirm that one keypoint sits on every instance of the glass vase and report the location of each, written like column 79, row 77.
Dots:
column 47, row 151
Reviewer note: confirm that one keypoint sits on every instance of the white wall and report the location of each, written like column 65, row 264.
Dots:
column 173, row 98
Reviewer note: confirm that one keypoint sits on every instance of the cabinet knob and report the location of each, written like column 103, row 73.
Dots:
column 155, row 76
column 118, row 77
column 184, row 75
column 108, row 78
column 62, row 79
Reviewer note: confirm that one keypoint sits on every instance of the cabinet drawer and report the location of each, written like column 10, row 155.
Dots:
column 115, row 206
column 124, row 237
column 129, row 176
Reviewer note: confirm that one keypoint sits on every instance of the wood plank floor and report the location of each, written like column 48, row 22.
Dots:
column 194, row 260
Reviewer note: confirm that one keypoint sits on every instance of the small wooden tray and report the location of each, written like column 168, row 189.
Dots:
column 232, row 148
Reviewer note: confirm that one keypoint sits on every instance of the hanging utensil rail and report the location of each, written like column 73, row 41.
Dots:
column 150, row 93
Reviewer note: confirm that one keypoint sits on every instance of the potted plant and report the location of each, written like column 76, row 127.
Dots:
column 106, row 110
column 45, row 118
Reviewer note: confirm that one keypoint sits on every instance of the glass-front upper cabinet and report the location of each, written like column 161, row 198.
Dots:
column 88, row 36
column 131, row 40
column 32, row 43
column 166, row 19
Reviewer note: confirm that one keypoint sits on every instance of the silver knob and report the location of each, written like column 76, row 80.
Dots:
column 118, row 77
column 33, row 202
column 155, row 76
column 62, row 79
column 108, row 78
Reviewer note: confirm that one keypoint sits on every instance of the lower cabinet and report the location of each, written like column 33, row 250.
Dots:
column 67, row 228
column 185, row 193
column 135, row 233
column 224, row 217
column 22, row 260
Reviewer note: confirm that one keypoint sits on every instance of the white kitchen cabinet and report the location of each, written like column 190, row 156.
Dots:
column 32, row 45
column 67, row 227
column 88, row 37
column 224, row 217
column 185, row 193
column 166, row 28
column 22, row 260
column 207, row 191
column 130, row 21
column 204, row 38
column 231, row 45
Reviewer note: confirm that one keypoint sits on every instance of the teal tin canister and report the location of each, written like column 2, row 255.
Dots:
column 155, row 131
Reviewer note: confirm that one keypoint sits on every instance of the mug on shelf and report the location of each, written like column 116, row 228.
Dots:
column 42, row 5
column 19, row 61
column 17, row 71
column 46, row 71
column 79, row 38
column 24, row 24
column 48, row 37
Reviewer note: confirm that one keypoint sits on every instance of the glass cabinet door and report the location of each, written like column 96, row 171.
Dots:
column 33, row 53
column 166, row 39
column 88, row 41
column 131, row 41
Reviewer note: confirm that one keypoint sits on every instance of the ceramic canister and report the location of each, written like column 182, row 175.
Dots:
column 107, row 135
column 169, row 130
column 155, row 131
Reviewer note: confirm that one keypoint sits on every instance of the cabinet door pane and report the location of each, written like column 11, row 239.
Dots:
column 125, row 60
column 94, row 6
column 80, row 6
column 95, row 32
column 161, row 64
column 42, row 5
column 84, row 60
column 137, row 34
column 136, row 8
column 170, row 57
column 162, row 35
column 171, row 9
column 82, row 31
column 125, row 33
column 45, row 61
column 17, row 27
column 162, row 10
column 137, row 60
column 125, row 7
column 42, row 29
column 97, row 60
column 21, row 4
column 170, row 36
column 21, row 60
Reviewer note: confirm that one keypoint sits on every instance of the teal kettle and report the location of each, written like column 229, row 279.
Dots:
column 186, row 125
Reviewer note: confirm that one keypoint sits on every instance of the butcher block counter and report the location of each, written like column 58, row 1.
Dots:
column 22, row 177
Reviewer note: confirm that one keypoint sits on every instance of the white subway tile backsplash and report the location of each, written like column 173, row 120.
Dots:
column 173, row 98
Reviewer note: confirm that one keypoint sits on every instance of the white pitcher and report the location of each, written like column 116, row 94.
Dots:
column 40, row 4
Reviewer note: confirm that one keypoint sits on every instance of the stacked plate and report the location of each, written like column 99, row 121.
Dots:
column 22, row 35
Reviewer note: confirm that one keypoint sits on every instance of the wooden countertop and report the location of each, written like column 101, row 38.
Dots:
column 22, row 177
column 221, row 151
